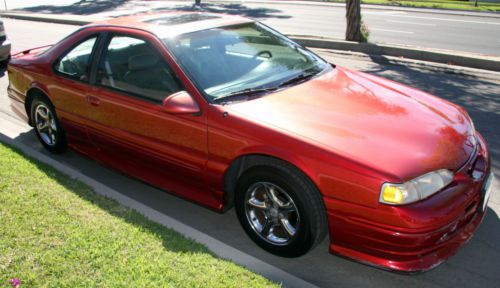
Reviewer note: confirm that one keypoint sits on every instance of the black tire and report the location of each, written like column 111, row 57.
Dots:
column 59, row 143
column 4, row 63
column 311, row 227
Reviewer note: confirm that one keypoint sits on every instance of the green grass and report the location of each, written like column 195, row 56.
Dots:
column 439, row 4
column 56, row 232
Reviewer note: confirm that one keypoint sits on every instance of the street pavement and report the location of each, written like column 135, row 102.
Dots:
column 452, row 31
column 475, row 265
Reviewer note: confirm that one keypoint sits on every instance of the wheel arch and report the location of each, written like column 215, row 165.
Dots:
column 244, row 162
column 33, row 91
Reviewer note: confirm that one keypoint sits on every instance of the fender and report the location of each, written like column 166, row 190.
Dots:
column 36, row 85
column 294, row 159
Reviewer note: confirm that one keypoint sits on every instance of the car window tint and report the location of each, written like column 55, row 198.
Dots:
column 75, row 64
column 134, row 66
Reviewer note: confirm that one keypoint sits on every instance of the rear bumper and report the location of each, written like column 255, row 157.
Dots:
column 17, row 104
column 433, row 230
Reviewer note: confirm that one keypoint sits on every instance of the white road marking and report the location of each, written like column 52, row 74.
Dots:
column 392, row 31
column 412, row 23
column 449, row 20
column 383, row 12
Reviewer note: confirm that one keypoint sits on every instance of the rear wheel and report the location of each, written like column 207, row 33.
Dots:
column 47, row 127
column 281, row 210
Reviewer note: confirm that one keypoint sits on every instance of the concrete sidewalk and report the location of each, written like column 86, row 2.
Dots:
column 10, row 131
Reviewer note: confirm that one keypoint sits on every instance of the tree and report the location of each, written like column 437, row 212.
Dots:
column 353, row 17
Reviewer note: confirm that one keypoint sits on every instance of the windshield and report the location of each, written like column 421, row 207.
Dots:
column 226, row 61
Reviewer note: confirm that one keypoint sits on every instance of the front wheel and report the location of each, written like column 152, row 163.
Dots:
column 281, row 210
column 47, row 127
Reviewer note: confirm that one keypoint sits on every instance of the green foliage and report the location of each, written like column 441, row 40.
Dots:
column 56, row 232
column 438, row 4
column 365, row 31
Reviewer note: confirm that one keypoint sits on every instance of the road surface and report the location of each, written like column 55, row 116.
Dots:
column 476, row 34
column 475, row 265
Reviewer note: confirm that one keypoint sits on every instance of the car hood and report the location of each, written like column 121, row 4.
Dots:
column 395, row 129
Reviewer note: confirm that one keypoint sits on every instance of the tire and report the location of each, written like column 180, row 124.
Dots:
column 4, row 63
column 48, row 129
column 296, row 228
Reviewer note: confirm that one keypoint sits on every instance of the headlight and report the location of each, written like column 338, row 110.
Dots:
column 416, row 189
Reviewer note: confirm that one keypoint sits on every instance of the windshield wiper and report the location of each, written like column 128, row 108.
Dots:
column 245, row 94
column 307, row 74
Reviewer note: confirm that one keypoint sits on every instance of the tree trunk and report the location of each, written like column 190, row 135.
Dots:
column 353, row 17
column 197, row 2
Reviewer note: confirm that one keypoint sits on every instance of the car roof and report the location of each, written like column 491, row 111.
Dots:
column 168, row 24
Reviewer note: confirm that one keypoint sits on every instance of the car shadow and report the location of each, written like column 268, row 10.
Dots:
column 232, row 9
column 82, row 7
column 475, row 264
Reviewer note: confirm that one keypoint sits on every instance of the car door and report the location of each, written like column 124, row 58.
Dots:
column 128, row 124
column 69, row 87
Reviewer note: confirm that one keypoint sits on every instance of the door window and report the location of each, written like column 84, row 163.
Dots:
column 133, row 66
column 75, row 64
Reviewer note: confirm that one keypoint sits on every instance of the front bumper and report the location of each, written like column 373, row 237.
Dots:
column 434, row 228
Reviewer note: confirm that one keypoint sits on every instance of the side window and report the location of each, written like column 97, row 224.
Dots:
column 134, row 66
column 75, row 64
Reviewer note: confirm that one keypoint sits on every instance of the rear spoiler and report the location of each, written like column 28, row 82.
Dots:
column 28, row 51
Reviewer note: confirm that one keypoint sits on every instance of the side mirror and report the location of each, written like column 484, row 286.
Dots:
column 180, row 103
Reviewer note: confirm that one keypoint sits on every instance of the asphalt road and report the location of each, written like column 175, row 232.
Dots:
column 475, row 265
column 451, row 32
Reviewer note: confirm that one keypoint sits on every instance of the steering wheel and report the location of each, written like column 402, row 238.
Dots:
column 262, row 53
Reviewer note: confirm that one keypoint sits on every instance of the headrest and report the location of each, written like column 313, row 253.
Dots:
column 142, row 61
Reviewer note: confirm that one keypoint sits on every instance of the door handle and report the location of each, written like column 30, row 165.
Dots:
column 94, row 101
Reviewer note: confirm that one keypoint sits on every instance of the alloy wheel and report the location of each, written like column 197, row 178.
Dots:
column 271, row 212
column 45, row 124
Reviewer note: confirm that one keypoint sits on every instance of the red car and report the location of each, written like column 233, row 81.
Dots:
column 224, row 111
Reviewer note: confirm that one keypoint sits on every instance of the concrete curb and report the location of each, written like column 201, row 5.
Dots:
column 219, row 248
column 419, row 64
column 438, row 56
